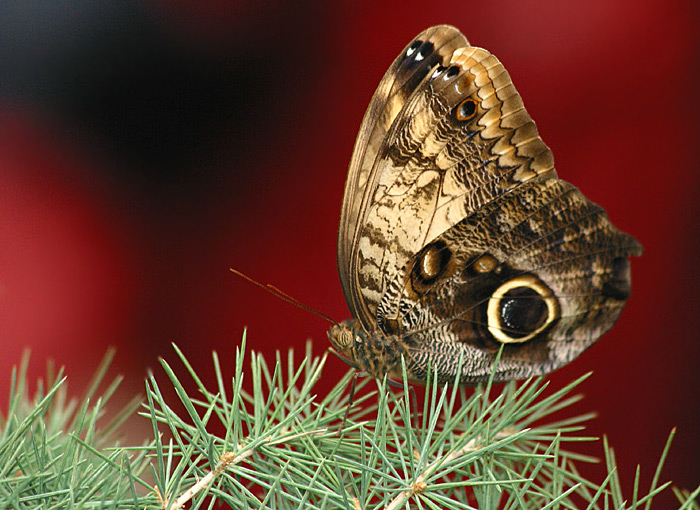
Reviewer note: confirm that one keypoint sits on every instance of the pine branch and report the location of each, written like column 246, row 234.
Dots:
column 54, row 455
column 275, row 443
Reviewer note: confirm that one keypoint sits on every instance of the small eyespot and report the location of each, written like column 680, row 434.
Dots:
column 465, row 110
column 452, row 72
column 413, row 47
column 437, row 72
column 484, row 264
column 430, row 263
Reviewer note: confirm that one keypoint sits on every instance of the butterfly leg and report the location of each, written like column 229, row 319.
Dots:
column 414, row 402
column 351, row 398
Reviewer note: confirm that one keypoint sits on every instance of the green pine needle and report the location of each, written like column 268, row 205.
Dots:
column 263, row 437
column 53, row 453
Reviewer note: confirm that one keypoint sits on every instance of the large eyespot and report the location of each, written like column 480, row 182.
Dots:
column 520, row 309
column 430, row 263
column 465, row 110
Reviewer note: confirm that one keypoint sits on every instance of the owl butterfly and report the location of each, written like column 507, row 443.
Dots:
column 457, row 238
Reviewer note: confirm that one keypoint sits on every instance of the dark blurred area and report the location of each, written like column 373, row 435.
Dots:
column 145, row 148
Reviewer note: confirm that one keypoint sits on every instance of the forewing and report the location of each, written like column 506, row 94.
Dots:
column 429, row 49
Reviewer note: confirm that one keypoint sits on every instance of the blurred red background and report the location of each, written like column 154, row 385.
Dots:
column 145, row 148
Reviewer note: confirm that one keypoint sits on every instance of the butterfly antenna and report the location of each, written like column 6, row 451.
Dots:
column 284, row 296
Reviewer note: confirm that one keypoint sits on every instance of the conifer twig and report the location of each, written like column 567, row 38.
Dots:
column 420, row 485
column 226, row 460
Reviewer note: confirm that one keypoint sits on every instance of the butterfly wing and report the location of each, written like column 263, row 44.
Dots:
column 540, row 271
column 430, row 48
column 456, row 234
column 416, row 170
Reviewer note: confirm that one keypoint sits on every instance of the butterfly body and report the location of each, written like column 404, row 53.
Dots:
column 456, row 235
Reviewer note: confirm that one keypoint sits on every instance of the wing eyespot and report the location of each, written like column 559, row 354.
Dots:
column 452, row 71
column 430, row 264
column 484, row 264
column 520, row 309
column 438, row 71
column 466, row 110
column 420, row 53
column 413, row 47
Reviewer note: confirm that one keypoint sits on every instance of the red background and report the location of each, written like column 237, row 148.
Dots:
column 147, row 148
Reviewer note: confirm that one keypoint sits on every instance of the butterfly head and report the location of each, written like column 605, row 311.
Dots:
column 343, row 337
column 373, row 353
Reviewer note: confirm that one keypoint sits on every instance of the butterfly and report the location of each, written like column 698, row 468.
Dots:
column 457, row 239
